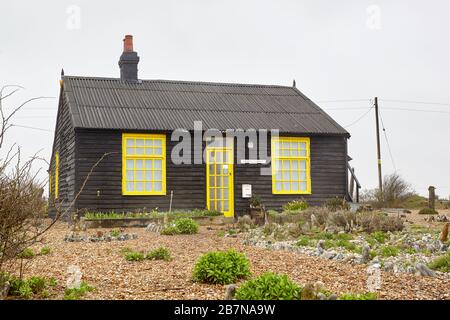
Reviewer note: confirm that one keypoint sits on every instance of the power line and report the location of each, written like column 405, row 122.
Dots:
column 29, row 127
column 416, row 110
column 343, row 100
column 417, row 102
column 360, row 118
column 387, row 143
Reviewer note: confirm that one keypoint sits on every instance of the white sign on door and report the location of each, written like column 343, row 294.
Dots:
column 246, row 191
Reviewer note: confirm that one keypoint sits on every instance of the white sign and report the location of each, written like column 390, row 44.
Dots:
column 246, row 191
column 253, row 161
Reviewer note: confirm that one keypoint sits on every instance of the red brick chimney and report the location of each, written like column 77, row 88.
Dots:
column 129, row 60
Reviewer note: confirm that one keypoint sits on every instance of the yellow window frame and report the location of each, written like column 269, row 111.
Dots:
column 56, row 175
column 161, row 157
column 50, row 184
column 298, row 157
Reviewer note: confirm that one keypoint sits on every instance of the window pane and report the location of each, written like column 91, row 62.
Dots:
column 303, row 164
column 157, row 151
column 148, row 186
column 303, row 186
column 157, row 164
column 286, row 186
column 294, row 175
column 148, row 150
column 139, row 186
column 157, row 175
column 302, row 175
column 294, row 152
column 157, row 186
column 286, row 165
column 303, row 145
column 130, row 186
column 278, row 186
column 130, row 175
column 130, row 164
column 130, row 150
column 130, row 142
column 277, row 164
column 139, row 164
column 139, row 175
column 225, row 193
column 148, row 175
column 149, row 142
column 286, row 145
column 286, row 152
column 294, row 145
column 294, row 165
column 294, row 186
column 303, row 153
column 286, row 175
column 225, row 181
column 278, row 175
column 148, row 164
column 139, row 142
column 157, row 143
column 140, row 150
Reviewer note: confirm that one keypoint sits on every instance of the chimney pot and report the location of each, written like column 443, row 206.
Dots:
column 128, row 43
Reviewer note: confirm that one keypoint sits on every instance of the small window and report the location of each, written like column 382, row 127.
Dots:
column 143, row 164
column 56, row 175
column 291, row 166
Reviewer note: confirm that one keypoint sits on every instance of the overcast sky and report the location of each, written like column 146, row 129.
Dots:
column 335, row 50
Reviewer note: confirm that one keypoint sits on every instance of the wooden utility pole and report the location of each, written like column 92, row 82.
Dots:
column 380, row 177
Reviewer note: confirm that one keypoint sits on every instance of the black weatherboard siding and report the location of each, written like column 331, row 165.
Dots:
column 94, row 112
column 103, row 191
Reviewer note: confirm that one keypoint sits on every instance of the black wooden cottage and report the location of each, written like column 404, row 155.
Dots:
column 132, row 120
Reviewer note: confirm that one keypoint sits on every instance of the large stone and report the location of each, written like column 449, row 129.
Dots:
column 74, row 277
column 230, row 291
column 423, row 270
column 365, row 258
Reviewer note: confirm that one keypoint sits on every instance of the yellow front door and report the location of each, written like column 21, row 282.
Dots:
column 219, row 180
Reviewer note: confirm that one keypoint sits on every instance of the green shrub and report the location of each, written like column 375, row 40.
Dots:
column 115, row 233
column 296, row 205
column 255, row 201
column 169, row 231
column 45, row 250
column 427, row 211
column 269, row 286
column 134, row 256
column 389, row 251
column 221, row 267
column 303, row 241
column 379, row 236
column 359, row 296
column 159, row 254
column 27, row 253
column 186, row 226
column 26, row 288
column 335, row 204
column 77, row 293
column 441, row 263
column 324, row 236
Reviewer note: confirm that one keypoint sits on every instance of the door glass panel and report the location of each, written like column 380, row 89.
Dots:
column 218, row 169
column 212, row 181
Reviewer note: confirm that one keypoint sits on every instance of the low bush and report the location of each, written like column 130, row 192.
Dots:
column 181, row 226
column 134, row 256
column 27, row 253
column 269, row 286
column 389, row 251
column 335, row 204
column 77, row 293
column 303, row 241
column 115, row 233
column 25, row 288
column 342, row 219
column 427, row 211
column 441, row 263
column 221, row 267
column 379, row 236
column 160, row 253
column 359, row 296
column 45, row 250
column 296, row 205
column 377, row 221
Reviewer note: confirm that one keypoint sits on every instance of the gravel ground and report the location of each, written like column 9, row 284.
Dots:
column 114, row 278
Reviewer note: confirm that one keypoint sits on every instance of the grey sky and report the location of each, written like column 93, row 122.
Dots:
column 335, row 50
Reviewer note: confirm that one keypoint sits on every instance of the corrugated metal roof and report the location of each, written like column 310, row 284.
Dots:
column 167, row 105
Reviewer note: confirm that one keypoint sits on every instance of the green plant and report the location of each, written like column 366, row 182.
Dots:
column 269, row 286
column 359, row 296
column 115, row 233
column 335, row 204
column 303, row 241
column 441, row 263
column 186, row 226
column 296, row 205
column 389, row 251
column 25, row 288
column 45, row 250
column 27, row 253
column 221, row 267
column 427, row 211
column 169, row 231
column 77, row 293
column 379, row 236
column 134, row 256
column 255, row 201
column 159, row 254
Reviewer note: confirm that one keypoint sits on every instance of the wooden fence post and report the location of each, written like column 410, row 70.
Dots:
column 431, row 197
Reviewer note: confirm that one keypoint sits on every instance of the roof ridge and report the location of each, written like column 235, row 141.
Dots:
column 225, row 84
